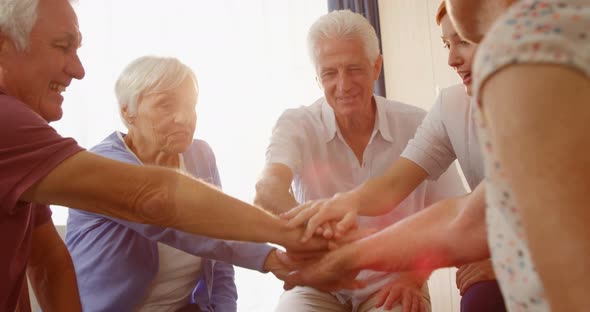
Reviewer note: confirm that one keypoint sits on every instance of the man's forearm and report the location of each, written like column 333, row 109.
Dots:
column 220, row 215
column 225, row 217
column 273, row 196
column 158, row 196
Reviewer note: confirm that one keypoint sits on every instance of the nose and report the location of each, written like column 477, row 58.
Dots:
column 74, row 67
column 344, row 82
column 455, row 59
column 185, row 117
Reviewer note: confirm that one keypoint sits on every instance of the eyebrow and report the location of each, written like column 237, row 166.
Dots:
column 72, row 38
column 449, row 37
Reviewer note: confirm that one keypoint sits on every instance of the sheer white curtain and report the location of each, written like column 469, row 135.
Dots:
column 251, row 60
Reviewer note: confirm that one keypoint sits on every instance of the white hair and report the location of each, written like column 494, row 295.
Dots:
column 343, row 24
column 17, row 18
column 148, row 75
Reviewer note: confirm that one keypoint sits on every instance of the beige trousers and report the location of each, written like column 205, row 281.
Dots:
column 307, row 299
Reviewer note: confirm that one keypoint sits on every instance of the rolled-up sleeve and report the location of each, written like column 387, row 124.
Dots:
column 286, row 141
column 431, row 147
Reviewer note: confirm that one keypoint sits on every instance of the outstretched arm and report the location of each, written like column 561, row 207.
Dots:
column 137, row 194
column 374, row 197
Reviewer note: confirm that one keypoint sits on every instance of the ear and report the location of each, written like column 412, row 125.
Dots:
column 377, row 67
column 128, row 117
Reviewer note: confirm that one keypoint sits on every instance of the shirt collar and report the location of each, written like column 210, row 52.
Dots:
column 329, row 120
column 381, row 122
column 120, row 136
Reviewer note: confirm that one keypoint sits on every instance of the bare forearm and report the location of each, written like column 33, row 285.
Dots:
column 157, row 196
column 222, row 216
column 382, row 194
column 202, row 209
column 431, row 239
column 274, row 196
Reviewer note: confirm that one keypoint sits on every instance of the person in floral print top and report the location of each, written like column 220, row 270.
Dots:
column 532, row 87
column 534, row 61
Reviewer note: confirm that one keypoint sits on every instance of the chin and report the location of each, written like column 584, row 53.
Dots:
column 52, row 116
column 179, row 148
column 349, row 109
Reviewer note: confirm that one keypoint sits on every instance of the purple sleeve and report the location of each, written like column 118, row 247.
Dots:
column 224, row 295
column 29, row 150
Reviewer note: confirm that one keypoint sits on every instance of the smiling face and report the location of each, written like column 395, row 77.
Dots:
column 166, row 121
column 461, row 52
column 38, row 75
column 346, row 74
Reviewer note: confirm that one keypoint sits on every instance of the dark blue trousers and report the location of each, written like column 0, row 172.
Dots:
column 483, row 297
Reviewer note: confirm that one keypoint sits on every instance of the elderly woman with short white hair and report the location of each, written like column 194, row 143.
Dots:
column 126, row 266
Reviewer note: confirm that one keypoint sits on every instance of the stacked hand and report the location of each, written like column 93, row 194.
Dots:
column 311, row 230
column 322, row 270
column 332, row 271
column 471, row 273
column 406, row 290
column 331, row 218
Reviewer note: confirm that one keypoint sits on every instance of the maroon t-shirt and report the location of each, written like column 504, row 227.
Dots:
column 29, row 150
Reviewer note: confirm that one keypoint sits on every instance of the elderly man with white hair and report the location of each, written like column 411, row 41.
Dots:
column 337, row 143
column 39, row 40
column 532, row 93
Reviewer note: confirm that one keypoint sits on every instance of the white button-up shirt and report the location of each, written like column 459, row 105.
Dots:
column 308, row 141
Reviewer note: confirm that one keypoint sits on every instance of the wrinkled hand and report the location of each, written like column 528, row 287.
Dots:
column 351, row 236
column 279, row 263
column 332, row 271
column 407, row 290
column 342, row 209
column 472, row 273
column 290, row 238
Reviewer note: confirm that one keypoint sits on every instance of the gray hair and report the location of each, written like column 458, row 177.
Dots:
column 343, row 24
column 17, row 18
column 148, row 75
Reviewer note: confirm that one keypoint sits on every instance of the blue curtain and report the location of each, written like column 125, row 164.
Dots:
column 370, row 10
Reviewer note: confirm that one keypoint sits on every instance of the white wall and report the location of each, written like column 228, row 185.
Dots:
column 415, row 65
column 415, row 62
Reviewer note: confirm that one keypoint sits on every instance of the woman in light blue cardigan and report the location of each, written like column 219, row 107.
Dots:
column 126, row 266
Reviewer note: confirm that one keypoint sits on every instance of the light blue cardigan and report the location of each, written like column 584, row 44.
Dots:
column 116, row 260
